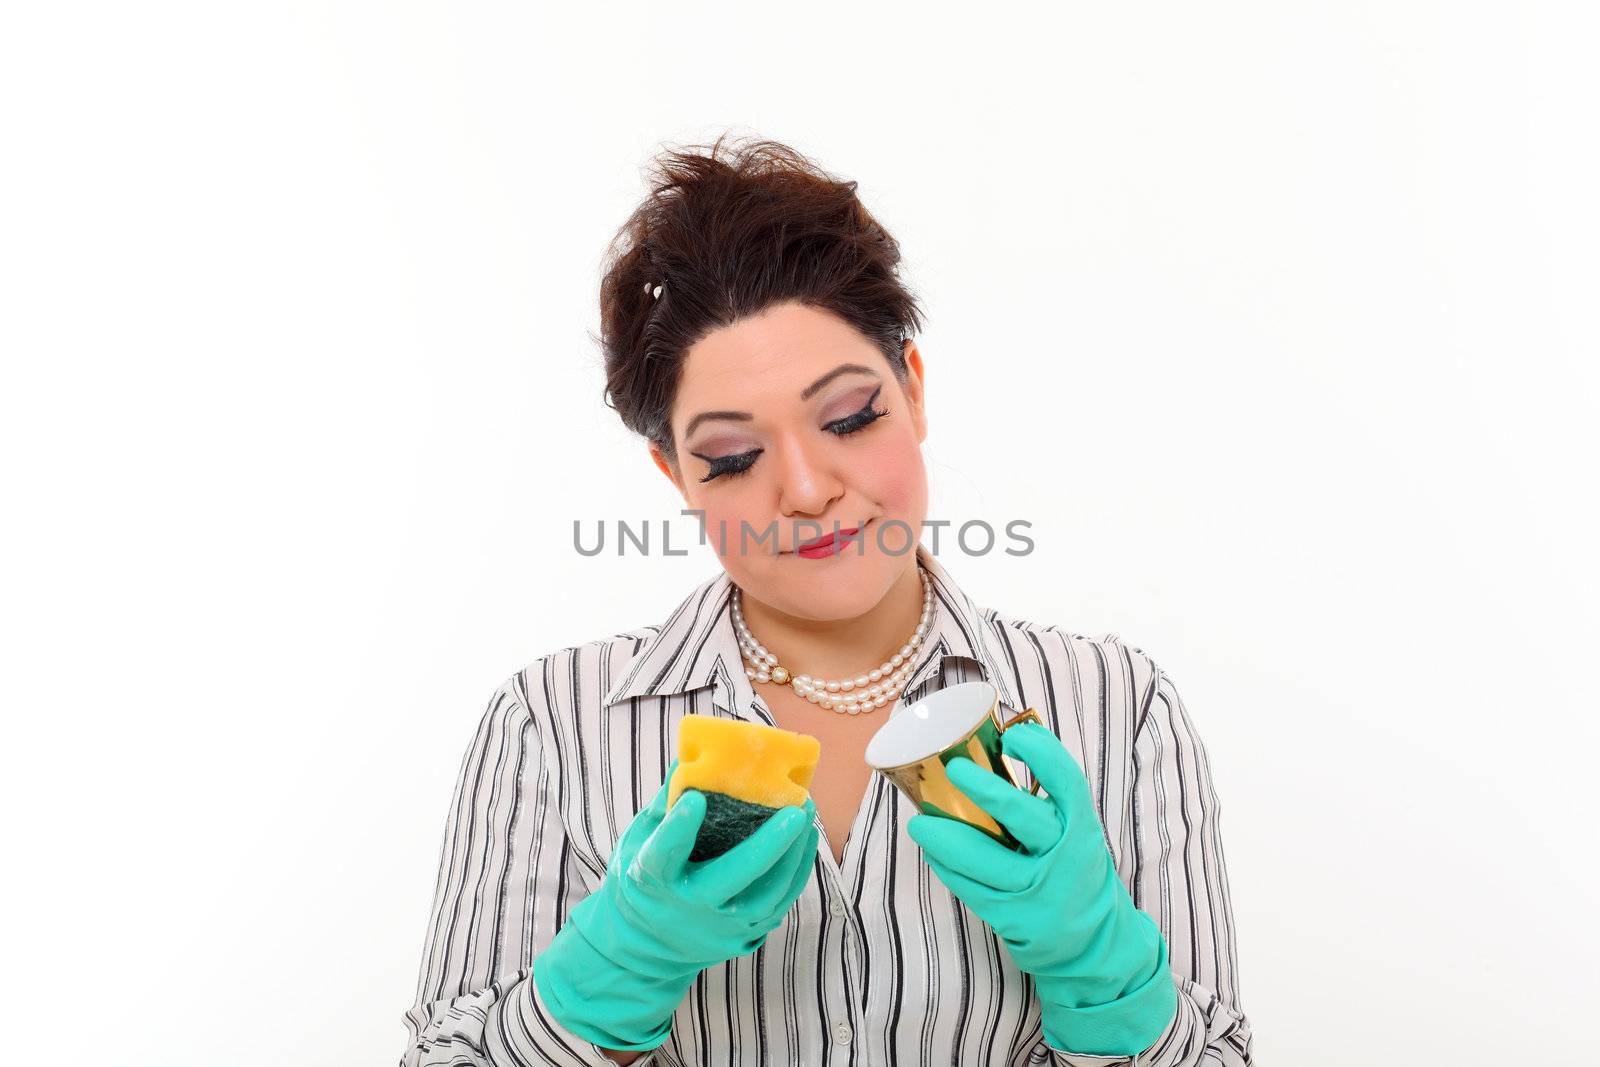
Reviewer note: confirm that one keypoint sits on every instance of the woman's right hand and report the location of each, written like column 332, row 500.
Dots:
column 700, row 914
column 631, row 949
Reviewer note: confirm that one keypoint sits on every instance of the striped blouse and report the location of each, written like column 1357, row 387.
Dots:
column 877, row 962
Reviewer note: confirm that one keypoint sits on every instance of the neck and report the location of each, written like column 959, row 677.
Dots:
column 839, row 648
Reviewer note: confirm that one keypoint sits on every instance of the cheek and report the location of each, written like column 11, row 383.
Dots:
column 727, row 505
column 891, row 472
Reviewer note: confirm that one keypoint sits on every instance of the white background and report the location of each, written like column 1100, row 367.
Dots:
column 1290, row 306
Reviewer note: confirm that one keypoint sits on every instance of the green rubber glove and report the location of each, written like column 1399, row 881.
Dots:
column 628, row 953
column 1100, row 964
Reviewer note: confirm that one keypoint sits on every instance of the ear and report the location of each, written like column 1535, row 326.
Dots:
column 913, row 389
column 666, row 468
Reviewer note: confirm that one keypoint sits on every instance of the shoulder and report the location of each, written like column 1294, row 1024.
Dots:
column 1123, row 673
column 566, row 677
column 1050, row 635
column 537, row 703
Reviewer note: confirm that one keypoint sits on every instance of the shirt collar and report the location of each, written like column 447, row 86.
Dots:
column 697, row 647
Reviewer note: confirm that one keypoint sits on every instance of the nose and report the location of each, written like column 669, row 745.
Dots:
column 809, row 482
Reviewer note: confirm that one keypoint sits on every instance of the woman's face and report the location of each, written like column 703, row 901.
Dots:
column 763, row 421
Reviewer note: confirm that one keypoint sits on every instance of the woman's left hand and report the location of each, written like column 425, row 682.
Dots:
column 1099, row 962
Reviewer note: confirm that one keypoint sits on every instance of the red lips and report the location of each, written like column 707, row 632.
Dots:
column 824, row 545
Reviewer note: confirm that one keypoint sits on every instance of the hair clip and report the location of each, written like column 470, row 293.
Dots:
column 656, row 295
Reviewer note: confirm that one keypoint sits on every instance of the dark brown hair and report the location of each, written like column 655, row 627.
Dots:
column 726, row 238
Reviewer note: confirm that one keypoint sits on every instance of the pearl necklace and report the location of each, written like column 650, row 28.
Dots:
column 848, row 696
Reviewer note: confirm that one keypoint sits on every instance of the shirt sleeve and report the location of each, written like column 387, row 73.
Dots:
column 1175, row 873
column 507, row 880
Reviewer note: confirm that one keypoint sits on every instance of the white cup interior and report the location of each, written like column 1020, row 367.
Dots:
column 916, row 731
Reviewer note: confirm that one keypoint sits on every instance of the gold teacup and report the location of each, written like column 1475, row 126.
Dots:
column 957, row 722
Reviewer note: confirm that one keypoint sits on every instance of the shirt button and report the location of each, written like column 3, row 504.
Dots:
column 837, row 907
column 841, row 1033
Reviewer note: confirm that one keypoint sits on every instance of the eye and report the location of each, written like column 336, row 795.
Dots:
column 861, row 419
column 732, row 466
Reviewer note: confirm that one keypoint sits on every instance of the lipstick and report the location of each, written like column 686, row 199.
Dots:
column 826, row 545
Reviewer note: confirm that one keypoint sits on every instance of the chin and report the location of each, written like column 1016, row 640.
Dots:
column 841, row 594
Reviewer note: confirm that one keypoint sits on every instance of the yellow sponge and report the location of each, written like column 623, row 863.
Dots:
column 746, row 770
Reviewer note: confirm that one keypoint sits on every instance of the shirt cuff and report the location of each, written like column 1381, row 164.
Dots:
column 1087, row 1059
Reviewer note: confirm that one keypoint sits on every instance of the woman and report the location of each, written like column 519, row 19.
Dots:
column 757, row 336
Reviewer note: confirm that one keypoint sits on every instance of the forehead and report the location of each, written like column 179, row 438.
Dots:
column 771, row 356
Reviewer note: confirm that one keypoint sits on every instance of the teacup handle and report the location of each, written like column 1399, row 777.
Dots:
column 1028, row 715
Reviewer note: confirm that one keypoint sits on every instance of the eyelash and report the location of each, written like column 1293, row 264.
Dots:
column 733, row 466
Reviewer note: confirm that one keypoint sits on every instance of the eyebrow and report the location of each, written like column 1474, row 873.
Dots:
column 806, row 394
